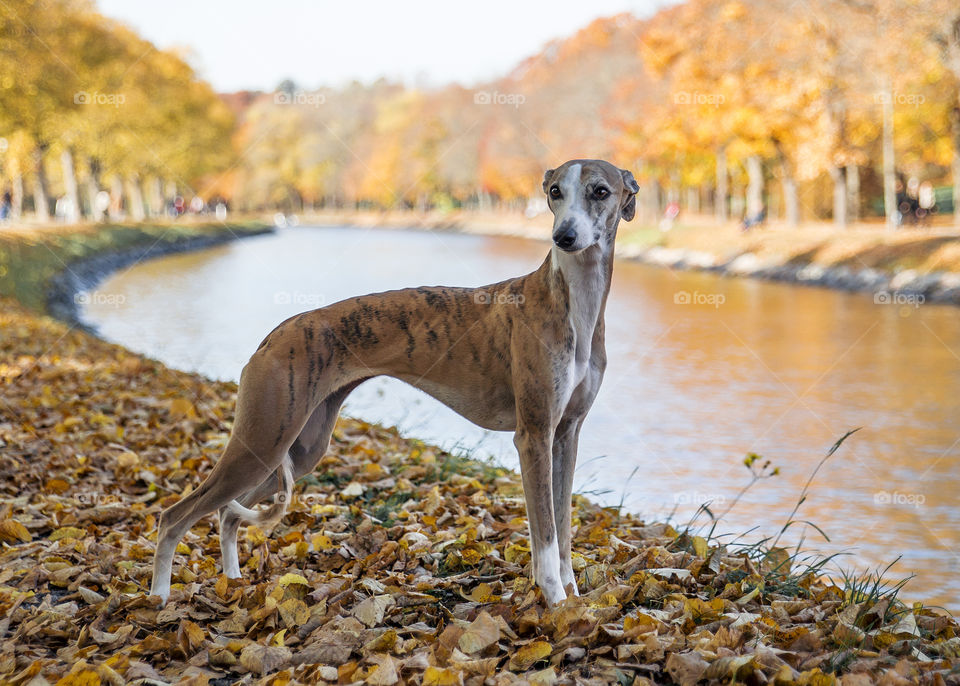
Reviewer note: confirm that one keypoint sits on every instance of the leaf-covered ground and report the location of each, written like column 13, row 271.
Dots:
column 398, row 564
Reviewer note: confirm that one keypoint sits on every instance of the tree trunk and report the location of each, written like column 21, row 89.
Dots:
column 791, row 200
column 839, row 175
column 890, row 209
column 791, row 203
column 16, row 198
column 116, row 199
column 157, row 204
column 723, row 180
column 853, row 192
column 956, row 165
column 135, row 198
column 693, row 199
column 92, row 183
column 754, row 186
column 41, row 203
column 72, row 214
column 737, row 201
column 652, row 201
column 956, row 181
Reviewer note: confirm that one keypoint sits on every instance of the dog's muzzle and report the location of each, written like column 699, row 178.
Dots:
column 565, row 236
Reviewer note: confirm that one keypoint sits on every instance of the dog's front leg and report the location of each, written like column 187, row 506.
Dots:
column 534, row 447
column 564, row 464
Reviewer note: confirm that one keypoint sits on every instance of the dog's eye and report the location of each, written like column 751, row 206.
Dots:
column 601, row 193
column 554, row 191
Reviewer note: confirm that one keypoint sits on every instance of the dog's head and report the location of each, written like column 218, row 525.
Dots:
column 588, row 198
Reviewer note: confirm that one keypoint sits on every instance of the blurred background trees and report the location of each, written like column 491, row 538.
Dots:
column 822, row 109
column 96, row 120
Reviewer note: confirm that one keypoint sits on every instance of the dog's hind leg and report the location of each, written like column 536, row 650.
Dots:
column 305, row 452
column 220, row 487
column 257, row 447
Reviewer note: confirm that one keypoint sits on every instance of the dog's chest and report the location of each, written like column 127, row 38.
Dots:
column 585, row 292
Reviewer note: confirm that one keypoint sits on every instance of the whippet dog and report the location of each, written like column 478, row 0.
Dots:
column 524, row 355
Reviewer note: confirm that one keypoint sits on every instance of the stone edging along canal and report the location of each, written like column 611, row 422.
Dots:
column 904, row 287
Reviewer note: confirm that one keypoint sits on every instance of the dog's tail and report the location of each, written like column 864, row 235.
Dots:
column 269, row 516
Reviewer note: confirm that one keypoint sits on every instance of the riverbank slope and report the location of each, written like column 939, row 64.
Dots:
column 397, row 563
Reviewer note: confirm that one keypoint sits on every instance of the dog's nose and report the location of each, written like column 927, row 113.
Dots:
column 565, row 235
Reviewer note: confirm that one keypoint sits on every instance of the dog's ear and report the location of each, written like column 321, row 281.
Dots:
column 546, row 179
column 629, row 207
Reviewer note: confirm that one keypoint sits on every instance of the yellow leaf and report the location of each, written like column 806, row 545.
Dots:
column 641, row 622
column 529, row 655
column 436, row 676
column 192, row 635
column 181, row 407
column 222, row 586
column 128, row 459
column 483, row 594
column 12, row 530
column 294, row 613
column 516, row 553
column 57, row 486
column 700, row 546
column 83, row 677
column 67, row 532
column 322, row 543
column 291, row 578
column 255, row 535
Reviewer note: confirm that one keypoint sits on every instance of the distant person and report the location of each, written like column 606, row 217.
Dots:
column 909, row 204
column 903, row 203
column 926, row 203
column 670, row 215
column 6, row 205
column 750, row 222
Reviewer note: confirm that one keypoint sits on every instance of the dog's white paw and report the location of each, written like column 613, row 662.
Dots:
column 553, row 593
column 163, row 592
column 568, row 579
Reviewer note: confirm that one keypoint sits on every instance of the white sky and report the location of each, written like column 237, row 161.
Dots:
column 254, row 45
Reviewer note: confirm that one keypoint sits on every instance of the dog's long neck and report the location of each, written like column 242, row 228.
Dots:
column 584, row 283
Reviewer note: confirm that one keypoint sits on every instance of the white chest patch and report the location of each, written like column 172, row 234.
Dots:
column 585, row 282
